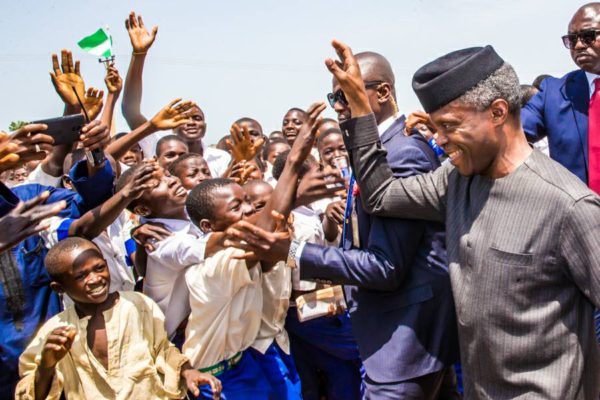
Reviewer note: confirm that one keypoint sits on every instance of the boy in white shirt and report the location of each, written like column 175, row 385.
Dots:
column 226, row 298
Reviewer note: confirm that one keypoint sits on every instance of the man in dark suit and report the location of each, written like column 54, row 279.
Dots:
column 562, row 111
column 397, row 284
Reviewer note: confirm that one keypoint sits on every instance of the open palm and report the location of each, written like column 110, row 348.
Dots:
column 66, row 77
column 141, row 39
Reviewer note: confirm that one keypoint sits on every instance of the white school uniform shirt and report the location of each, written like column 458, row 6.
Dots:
column 308, row 228
column 226, row 300
column 39, row 176
column 165, row 269
column 277, row 289
column 111, row 243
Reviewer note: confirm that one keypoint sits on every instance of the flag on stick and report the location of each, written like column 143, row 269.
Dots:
column 99, row 43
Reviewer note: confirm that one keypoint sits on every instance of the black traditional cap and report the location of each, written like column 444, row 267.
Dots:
column 449, row 77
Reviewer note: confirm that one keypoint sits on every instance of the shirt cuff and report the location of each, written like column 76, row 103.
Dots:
column 299, row 254
column 359, row 132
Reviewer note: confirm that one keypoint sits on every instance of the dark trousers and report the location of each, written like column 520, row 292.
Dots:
column 439, row 385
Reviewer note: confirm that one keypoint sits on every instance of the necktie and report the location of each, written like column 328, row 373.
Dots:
column 348, row 212
column 594, row 139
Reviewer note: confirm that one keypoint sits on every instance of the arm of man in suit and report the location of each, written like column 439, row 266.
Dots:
column 385, row 260
column 532, row 115
column 382, row 265
column 414, row 197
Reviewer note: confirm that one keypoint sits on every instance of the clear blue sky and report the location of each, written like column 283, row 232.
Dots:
column 259, row 58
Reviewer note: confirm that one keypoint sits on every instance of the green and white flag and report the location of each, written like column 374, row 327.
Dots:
column 99, row 43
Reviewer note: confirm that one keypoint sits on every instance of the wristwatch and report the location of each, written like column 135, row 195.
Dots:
column 291, row 260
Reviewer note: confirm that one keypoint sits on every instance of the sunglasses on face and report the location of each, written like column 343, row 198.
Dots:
column 341, row 97
column 587, row 37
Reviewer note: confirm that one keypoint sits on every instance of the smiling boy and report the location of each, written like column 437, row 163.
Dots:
column 107, row 345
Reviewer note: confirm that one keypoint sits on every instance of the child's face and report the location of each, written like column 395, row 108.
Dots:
column 169, row 151
column 195, row 129
column 232, row 204
column 88, row 280
column 193, row 171
column 259, row 194
column 166, row 199
column 275, row 150
column 331, row 147
column 133, row 156
column 254, row 130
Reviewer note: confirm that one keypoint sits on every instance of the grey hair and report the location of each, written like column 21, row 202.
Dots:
column 502, row 84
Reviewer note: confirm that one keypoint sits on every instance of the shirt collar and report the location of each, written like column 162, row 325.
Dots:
column 385, row 125
column 590, row 78
column 173, row 225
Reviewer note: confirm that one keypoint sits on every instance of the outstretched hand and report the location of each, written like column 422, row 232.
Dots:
column 418, row 117
column 308, row 132
column 31, row 144
column 242, row 146
column 258, row 243
column 174, row 114
column 27, row 219
column 92, row 101
column 318, row 184
column 141, row 39
column 346, row 72
column 66, row 77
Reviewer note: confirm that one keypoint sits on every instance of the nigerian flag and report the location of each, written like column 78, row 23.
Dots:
column 99, row 43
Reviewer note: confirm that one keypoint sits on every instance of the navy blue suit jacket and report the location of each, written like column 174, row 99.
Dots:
column 397, row 285
column 560, row 112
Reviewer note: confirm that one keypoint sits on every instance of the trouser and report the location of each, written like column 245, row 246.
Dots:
column 280, row 370
column 244, row 381
column 439, row 385
column 325, row 347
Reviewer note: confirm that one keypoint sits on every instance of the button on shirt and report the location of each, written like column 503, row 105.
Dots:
column 166, row 266
column 142, row 363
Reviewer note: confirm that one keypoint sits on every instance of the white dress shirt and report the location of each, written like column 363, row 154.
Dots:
column 590, row 78
column 217, row 160
column 226, row 301
column 165, row 269
column 308, row 228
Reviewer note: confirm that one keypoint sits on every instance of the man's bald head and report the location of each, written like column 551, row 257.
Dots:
column 375, row 67
column 589, row 10
column 586, row 55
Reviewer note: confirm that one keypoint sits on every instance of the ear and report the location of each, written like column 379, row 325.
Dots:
column 57, row 287
column 499, row 112
column 205, row 226
column 141, row 210
column 384, row 93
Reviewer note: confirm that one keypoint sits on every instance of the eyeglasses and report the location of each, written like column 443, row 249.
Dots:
column 341, row 97
column 587, row 37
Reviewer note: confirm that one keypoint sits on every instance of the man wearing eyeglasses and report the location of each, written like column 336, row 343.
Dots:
column 395, row 270
column 567, row 110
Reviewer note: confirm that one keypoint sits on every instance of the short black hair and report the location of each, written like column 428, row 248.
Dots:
column 279, row 165
column 537, row 82
column 175, row 164
column 200, row 202
column 270, row 142
column 249, row 120
column 527, row 92
column 301, row 111
column 328, row 132
column 54, row 261
column 168, row 138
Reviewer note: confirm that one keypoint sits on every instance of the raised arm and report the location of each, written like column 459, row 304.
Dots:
column 114, row 84
column 423, row 196
column 174, row 114
column 93, row 222
column 141, row 41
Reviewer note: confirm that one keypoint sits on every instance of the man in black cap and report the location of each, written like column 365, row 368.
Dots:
column 522, row 232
